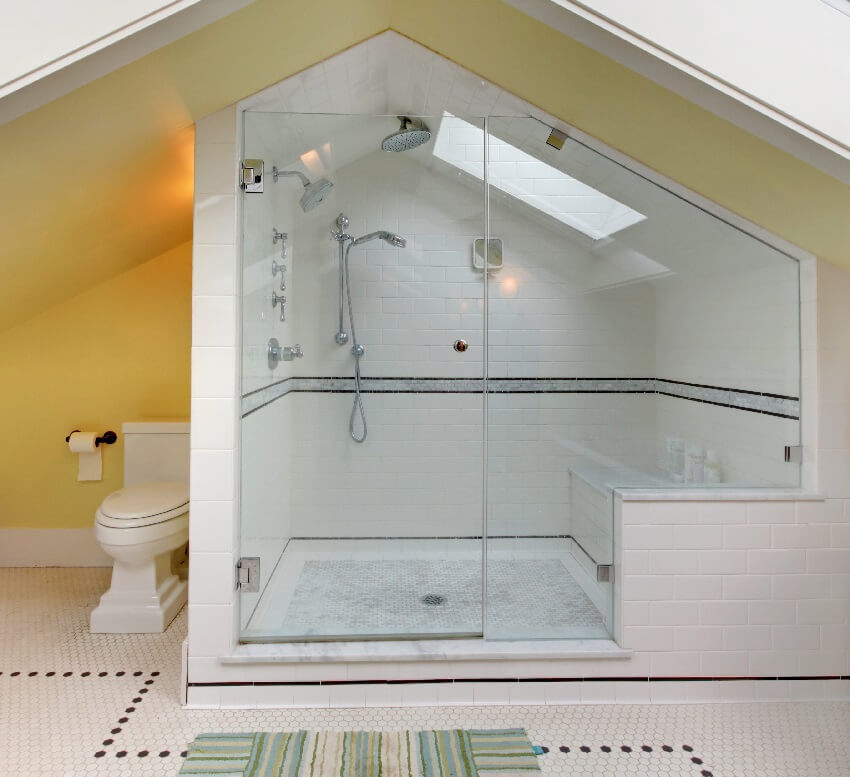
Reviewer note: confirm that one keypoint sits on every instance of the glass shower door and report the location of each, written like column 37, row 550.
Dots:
column 362, row 399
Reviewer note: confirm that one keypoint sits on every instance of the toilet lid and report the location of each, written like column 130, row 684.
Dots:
column 145, row 500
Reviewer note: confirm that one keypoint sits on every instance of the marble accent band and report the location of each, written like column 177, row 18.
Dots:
column 739, row 399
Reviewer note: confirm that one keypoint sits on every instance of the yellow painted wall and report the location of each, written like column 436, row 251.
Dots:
column 118, row 351
column 99, row 180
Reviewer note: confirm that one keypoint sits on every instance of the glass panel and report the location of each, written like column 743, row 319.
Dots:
column 634, row 340
column 363, row 497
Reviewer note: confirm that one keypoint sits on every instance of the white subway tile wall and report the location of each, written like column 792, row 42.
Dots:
column 765, row 609
column 784, row 612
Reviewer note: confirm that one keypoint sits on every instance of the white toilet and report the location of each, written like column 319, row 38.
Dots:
column 144, row 528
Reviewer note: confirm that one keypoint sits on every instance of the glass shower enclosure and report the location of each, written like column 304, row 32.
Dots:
column 459, row 336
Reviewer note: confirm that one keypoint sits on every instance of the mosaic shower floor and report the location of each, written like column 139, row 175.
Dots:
column 352, row 593
column 74, row 704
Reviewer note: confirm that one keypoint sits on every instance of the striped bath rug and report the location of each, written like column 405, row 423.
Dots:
column 456, row 753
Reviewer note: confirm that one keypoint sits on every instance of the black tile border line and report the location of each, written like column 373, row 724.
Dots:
column 518, row 680
column 636, row 749
column 138, row 698
column 561, row 390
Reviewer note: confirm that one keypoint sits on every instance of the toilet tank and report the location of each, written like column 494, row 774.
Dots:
column 156, row 450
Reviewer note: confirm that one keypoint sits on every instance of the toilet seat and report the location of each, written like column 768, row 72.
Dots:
column 146, row 504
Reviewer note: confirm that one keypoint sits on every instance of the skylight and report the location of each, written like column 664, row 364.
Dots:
column 535, row 183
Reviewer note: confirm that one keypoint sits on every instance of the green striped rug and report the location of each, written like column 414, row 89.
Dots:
column 456, row 753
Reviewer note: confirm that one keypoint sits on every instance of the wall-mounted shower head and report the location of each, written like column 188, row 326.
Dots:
column 411, row 133
column 389, row 237
column 314, row 192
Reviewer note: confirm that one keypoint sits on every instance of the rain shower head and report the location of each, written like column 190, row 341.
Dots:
column 411, row 133
column 314, row 192
column 389, row 237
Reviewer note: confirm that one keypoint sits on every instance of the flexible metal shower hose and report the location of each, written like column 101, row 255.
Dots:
column 358, row 399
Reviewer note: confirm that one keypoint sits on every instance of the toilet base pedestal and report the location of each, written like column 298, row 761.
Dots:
column 142, row 599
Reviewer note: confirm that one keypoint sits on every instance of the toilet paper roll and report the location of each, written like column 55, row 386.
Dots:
column 91, row 462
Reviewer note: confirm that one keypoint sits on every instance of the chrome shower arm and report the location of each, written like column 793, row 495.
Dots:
column 278, row 173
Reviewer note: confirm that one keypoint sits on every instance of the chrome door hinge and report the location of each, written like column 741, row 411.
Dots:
column 794, row 453
column 604, row 573
column 248, row 575
column 251, row 175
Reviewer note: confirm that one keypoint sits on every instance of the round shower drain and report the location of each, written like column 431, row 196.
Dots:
column 434, row 599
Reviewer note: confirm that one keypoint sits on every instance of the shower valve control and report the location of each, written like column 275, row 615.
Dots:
column 286, row 353
column 279, row 299
column 281, row 269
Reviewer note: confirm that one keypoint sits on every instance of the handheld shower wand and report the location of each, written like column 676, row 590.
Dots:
column 346, row 243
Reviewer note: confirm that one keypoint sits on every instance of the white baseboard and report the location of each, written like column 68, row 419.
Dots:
column 51, row 548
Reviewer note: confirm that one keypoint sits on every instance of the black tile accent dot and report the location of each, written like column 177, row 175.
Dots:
column 687, row 748
column 67, row 674
column 164, row 754
column 148, row 682
column 137, row 674
column 183, row 753
column 544, row 749
column 130, row 709
column 154, row 674
column 15, row 674
column 137, row 700
column 625, row 749
column 107, row 742
column 706, row 773
column 646, row 748
column 115, row 731
column 50, row 674
column 605, row 749
column 564, row 749
column 100, row 754
column 142, row 753
column 120, row 753
column 102, row 674
column 120, row 674
column 667, row 748
column 32, row 674
column 123, row 720
column 85, row 674
column 697, row 761
column 584, row 749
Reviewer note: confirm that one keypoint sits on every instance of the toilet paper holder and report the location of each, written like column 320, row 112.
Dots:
column 107, row 438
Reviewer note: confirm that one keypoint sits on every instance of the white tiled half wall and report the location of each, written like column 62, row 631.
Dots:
column 709, row 589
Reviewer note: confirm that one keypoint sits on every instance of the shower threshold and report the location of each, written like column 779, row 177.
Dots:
column 423, row 591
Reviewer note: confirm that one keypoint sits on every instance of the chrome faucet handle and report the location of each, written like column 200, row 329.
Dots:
column 279, row 268
column 278, row 236
column 291, row 352
column 287, row 353
column 281, row 300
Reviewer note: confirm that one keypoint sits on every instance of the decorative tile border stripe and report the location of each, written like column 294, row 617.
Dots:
column 769, row 404
column 739, row 399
